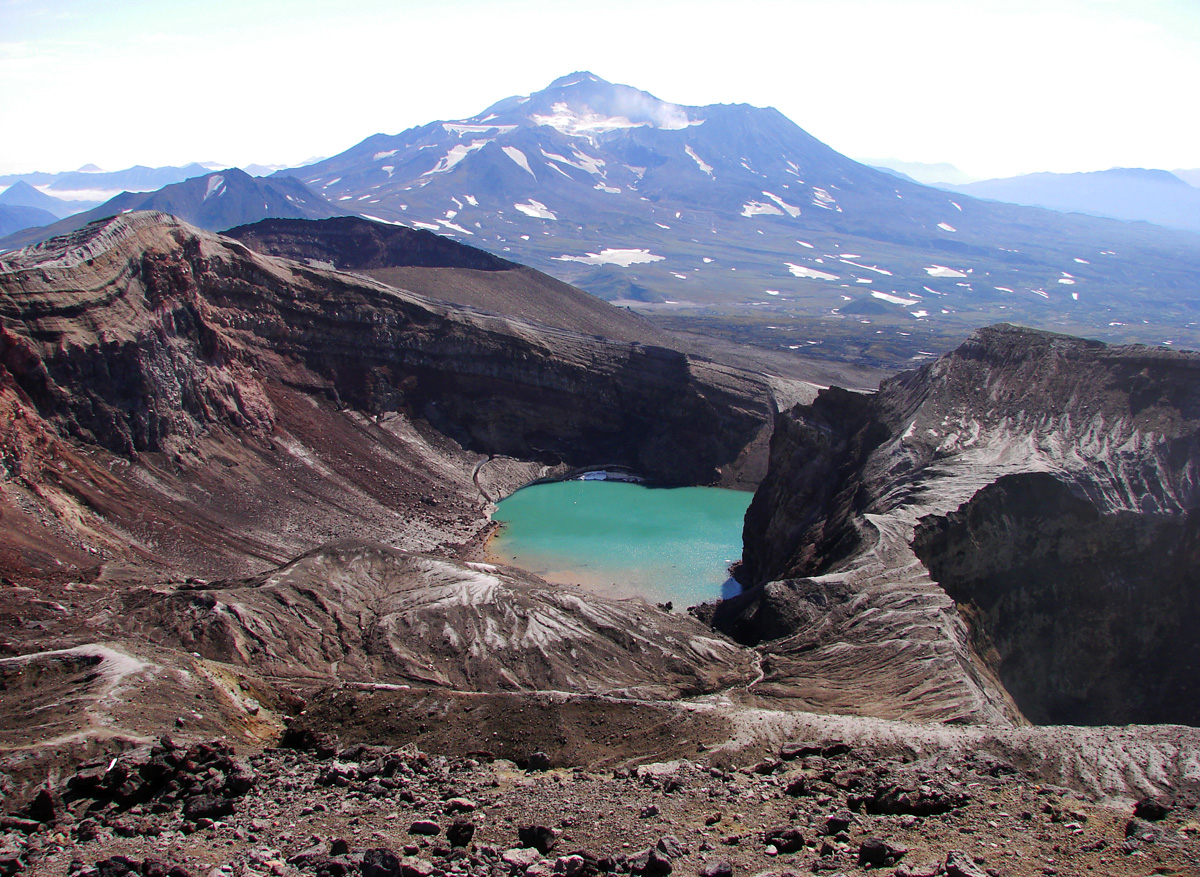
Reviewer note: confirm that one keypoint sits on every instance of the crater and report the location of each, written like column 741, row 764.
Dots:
column 622, row 539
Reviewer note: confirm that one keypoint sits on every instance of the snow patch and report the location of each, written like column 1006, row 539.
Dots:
column 822, row 198
column 791, row 210
column 379, row 156
column 612, row 190
column 536, row 209
column 874, row 268
column 756, row 208
column 456, row 154
column 519, row 157
column 895, row 299
column 609, row 256
column 216, row 186
column 945, row 226
column 811, row 273
column 700, row 163
column 943, row 271
column 460, row 128
column 381, row 219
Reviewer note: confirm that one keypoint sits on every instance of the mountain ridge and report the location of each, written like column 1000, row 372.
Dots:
column 734, row 217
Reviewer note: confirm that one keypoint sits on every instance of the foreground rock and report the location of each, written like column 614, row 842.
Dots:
column 387, row 820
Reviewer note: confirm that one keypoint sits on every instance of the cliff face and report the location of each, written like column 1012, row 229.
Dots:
column 1113, row 436
column 267, row 402
column 1087, row 618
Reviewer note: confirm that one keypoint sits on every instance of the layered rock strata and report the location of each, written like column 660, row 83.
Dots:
column 175, row 397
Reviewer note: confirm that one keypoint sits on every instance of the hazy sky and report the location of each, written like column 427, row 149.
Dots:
column 996, row 88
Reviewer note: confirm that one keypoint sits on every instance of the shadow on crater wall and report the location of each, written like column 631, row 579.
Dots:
column 1086, row 618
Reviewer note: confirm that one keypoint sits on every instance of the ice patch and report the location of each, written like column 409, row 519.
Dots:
column 943, row 271
column 609, row 256
column 379, row 156
column 680, row 276
column 945, row 226
column 1075, row 296
column 609, row 189
column 1067, row 280
column 895, row 299
column 811, row 273
column 388, row 168
column 1003, row 289
column 700, row 163
column 805, row 244
column 660, row 225
column 1082, row 261
column 428, row 226
column 771, row 291
column 519, row 157
column 707, row 260
column 918, row 315
column 454, row 156
column 450, row 225
column 536, row 209
column 956, row 207
column 470, row 199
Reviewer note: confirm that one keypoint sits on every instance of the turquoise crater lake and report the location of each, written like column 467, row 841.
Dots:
column 625, row 540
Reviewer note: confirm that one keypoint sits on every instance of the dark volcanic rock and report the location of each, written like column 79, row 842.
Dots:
column 1107, row 600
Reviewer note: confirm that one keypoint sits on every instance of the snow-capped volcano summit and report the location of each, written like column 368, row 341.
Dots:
column 735, row 207
column 584, row 104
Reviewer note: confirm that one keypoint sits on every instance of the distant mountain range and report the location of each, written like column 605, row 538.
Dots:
column 925, row 173
column 1121, row 193
column 728, row 220
column 21, row 194
column 734, row 218
column 74, row 185
column 214, row 201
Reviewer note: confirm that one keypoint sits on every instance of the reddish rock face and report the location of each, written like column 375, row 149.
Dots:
column 204, row 408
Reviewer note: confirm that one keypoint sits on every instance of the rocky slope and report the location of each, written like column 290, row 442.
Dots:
column 377, row 616
column 1043, row 484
